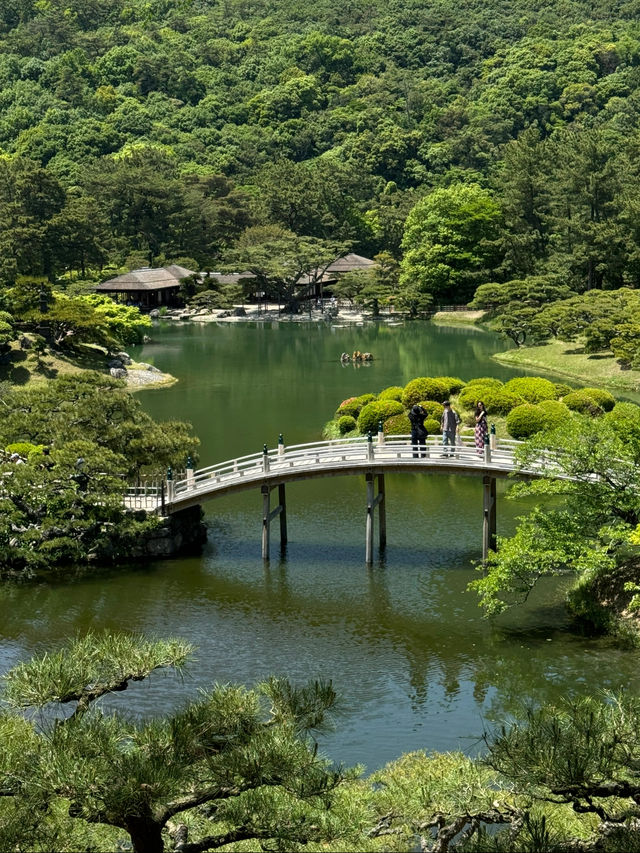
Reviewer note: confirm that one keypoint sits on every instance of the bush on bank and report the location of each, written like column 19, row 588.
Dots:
column 538, row 403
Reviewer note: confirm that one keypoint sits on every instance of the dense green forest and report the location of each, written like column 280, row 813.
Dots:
column 504, row 134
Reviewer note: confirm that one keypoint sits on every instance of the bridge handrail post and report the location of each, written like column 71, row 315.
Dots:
column 369, row 447
column 265, row 460
column 170, row 484
column 280, row 445
column 487, row 449
column 380, row 433
column 493, row 440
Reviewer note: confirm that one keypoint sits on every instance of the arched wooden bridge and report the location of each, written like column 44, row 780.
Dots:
column 372, row 457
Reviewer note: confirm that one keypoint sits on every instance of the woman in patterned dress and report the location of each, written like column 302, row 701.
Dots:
column 482, row 428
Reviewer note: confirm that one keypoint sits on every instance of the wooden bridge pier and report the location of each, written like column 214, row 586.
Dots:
column 372, row 503
column 269, row 514
column 489, row 516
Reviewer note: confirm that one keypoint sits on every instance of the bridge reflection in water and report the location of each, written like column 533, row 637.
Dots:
column 373, row 457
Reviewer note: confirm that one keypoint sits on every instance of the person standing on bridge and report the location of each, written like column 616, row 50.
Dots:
column 482, row 428
column 449, row 423
column 418, row 433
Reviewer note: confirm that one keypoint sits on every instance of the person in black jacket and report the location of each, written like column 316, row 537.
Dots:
column 418, row 433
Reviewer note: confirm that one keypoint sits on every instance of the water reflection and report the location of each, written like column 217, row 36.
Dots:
column 404, row 641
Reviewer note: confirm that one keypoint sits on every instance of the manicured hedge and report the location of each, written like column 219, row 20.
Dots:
column 397, row 425
column 562, row 389
column 532, row 388
column 394, row 392
column 604, row 399
column 497, row 400
column 378, row 410
column 434, row 410
column 346, row 424
column 524, row 421
column 432, row 426
column 424, row 388
column 485, row 381
column 453, row 383
column 353, row 405
column 555, row 412
column 580, row 401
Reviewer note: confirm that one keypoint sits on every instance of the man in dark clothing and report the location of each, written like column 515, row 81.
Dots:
column 418, row 433
column 449, row 424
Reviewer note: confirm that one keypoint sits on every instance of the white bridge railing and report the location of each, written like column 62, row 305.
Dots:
column 328, row 456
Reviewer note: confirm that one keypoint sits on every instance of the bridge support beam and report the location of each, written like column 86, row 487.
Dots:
column 489, row 516
column 372, row 503
column 269, row 514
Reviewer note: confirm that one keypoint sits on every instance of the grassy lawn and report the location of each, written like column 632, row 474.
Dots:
column 457, row 318
column 569, row 360
column 23, row 368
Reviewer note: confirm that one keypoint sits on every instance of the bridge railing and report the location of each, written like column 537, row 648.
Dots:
column 339, row 451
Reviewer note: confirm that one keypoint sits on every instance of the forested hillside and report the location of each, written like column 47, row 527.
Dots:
column 134, row 131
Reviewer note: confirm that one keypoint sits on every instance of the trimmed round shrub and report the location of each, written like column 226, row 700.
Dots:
column 499, row 401
column 556, row 413
column 488, row 381
column 625, row 417
column 354, row 405
column 532, row 388
column 346, row 424
column 434, row 410
column 397, row 425
column 524, row 421
column 470, row 396
column 562, row 389
column 424, row 388
column 394, row 392
column 378, row 410
column 454, row 384
column 579, row 401
column 432, row 426
column 603, row 398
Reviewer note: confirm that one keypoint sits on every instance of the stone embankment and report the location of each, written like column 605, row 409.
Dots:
column 138, row 374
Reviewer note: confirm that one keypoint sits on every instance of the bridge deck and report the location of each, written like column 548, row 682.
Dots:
column 326, row 459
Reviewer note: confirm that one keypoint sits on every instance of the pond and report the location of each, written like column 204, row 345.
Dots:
column 416, row 664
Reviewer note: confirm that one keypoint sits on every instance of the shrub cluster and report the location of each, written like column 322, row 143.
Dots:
column 397, row 425
column 346, row 424
column 524, row 421
column 377, row 410
column 424, row 388
column 533, row 389
column 394, row 392
column 353, row 405
column 581, row 401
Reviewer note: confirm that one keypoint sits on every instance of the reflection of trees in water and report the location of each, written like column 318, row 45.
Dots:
column 446, row 650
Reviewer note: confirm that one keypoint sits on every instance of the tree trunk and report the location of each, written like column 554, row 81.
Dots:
column 146, row 835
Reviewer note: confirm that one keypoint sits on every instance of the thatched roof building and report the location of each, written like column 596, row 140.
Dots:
column 147, row 287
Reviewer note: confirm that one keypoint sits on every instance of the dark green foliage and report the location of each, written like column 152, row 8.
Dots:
column 581, row 401
column 346, row 424
column 562, row 389
column 397, row 425
column 353, row 405
column 248, row 755
column 434, row 410
column 394, row 392
column 526, row 420
column 66, row 508
column 432, row 426
column 532, row 388
column 556, row 413
column 497, row 399
column 378, row 410
column 424, row 388
column 602, row 398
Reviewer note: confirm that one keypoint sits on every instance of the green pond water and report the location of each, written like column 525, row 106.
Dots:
column 416, row 664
